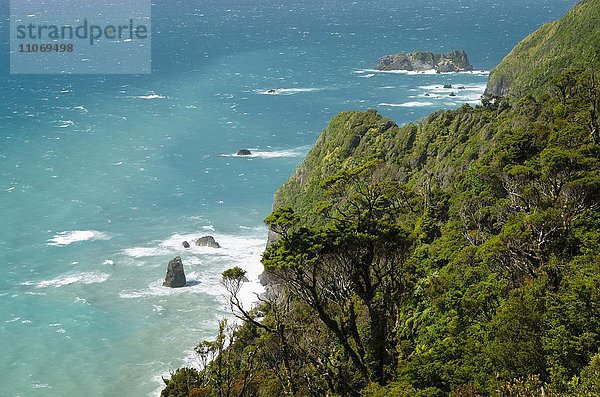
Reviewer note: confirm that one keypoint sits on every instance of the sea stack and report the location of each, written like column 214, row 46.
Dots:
column 207, row 241
column 175, row 277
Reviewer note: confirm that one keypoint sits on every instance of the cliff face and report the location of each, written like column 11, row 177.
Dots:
column 455, row 61
column 573, row 41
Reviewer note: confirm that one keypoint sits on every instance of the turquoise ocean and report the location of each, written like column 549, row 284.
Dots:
column 103, row 177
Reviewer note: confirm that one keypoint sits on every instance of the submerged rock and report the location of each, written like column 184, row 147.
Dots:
column 244, row 152
column 447, row 85
column 207, row 241
column 185, row 244
column 175, row 277
column 452, row 94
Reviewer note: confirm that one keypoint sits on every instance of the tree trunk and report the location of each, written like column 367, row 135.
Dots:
column 377, row 352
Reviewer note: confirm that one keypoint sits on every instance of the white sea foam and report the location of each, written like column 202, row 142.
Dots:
column 407, row 104
column 428, row 71
column 287, row 91
column 273, row 154
column 62, row 239
column 204, row 265
column 150, row 96
column 35, row 293
column 66, row 123
column 74, row 278
column 454, row 88
column 463, row 93
column 479, row 72
column 409, row 72
column 141, row 252
column 41, row 386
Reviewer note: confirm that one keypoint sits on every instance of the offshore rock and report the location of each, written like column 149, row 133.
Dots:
column 244, row 152
column 454, row 61
column 185, row 244
column 175, row 277
column 207, row 241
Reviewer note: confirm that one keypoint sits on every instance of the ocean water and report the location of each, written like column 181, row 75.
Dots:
column 103, row 177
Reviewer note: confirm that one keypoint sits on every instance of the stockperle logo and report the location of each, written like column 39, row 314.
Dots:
column 80, row 37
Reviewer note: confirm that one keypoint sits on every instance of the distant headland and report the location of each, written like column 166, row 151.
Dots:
column 454, row 61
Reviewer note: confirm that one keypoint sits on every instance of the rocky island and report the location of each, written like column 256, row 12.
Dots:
column 454, row 61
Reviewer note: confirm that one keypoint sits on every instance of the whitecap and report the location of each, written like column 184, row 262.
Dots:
column 150, row 96
column 62, row 239
column 407, row 104
column 74, row 278
column 66, row 123
column 287, row 91
column 41, row 385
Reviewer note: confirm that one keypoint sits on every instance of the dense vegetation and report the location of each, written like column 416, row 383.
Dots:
column 573, row 41
column 459, row 256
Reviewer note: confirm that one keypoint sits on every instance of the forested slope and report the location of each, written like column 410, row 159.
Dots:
column 457, row 256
